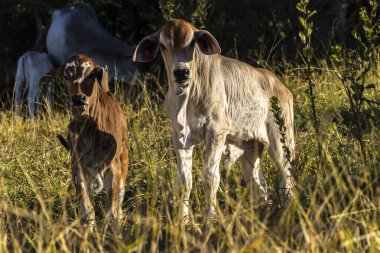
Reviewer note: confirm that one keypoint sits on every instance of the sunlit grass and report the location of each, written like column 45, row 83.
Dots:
column 336, row 208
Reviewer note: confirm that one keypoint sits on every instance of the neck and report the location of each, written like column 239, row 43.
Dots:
column 96, row 110
column 200, row 88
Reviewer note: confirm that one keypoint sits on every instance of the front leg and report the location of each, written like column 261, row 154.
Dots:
column 83, row 187
column 215, row 141
column 185, row 179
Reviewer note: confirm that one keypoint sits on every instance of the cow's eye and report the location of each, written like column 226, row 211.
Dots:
column 162, row 47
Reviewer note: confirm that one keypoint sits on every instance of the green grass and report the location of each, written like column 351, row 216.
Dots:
column 336, row 208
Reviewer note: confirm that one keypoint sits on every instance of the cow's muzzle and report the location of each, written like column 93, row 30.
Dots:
column 182, row 75
column 79, row 100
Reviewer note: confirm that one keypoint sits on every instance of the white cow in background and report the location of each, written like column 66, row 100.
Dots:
column 76, row 30
column 31, row 67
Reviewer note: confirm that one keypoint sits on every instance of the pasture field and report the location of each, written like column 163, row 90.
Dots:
column 336, row 207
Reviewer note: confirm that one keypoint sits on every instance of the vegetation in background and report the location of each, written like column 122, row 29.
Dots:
column 352, row 67
column 307, row 57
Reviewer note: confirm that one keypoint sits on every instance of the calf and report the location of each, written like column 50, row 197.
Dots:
column 97, row 137
column 30, row 68
column 225, row 103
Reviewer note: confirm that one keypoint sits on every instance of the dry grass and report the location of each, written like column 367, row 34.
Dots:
column 336, row 208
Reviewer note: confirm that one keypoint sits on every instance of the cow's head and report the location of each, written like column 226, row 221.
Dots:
column 178, row 41
column 84, row 80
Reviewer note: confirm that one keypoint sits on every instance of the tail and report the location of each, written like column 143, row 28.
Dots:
column 19, row 82
column 64, row 142
column 290, row 131
column 20, row 74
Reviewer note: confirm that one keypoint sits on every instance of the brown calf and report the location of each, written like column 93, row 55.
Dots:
column 97, row 138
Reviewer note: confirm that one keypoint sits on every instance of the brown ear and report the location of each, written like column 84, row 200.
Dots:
column 206, row 42
column 147, row 49
column 102, row 77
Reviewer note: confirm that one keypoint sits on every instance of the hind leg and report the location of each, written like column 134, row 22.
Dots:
column 33, row 93
column 20, row 85
column 49, row 97
column 250, row 163
column 114, row 186
column 281, row 159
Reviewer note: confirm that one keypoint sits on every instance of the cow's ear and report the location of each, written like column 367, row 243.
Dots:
column 102, row 77
column 206, row 42
column 147, row 49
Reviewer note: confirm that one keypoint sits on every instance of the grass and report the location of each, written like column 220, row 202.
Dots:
column 336, row 208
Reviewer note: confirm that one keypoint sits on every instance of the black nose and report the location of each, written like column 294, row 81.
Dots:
column 78, row 100
column 181, row 74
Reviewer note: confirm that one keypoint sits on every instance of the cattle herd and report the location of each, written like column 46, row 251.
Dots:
column 213, row 99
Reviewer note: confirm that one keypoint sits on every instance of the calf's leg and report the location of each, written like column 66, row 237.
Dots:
column 276, row 150
column 19, row 85
column 250, row 162
column 184, row 158
column 114, row 185
column 210, row 173
column 33, row 105
column 83, row 186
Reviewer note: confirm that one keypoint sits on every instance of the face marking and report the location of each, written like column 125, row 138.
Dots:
column 85, row 66
column 77, row 68
column 70, row 64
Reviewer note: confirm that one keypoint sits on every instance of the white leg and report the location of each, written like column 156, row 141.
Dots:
column 185, row 179
column 210, row 174
column 19, row 85
column 33, row 106
column 250, row 162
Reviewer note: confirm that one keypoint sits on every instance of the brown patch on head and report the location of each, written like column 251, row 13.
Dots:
column 77, row 67
column 177, row 33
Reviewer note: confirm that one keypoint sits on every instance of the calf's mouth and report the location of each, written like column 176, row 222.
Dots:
column 79, row 102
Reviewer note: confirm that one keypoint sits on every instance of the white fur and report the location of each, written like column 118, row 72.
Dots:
column 31, row 67
column 227, row 104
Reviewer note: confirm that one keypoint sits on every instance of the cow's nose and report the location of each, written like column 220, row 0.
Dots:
column 78, row 100
column 181, row 74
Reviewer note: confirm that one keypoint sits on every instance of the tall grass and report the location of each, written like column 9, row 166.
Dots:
column 336, row 208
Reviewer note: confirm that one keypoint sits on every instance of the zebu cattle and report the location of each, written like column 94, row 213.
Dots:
column 76, row 30
column 31, row 66
column 97, row 138
column 225, row 103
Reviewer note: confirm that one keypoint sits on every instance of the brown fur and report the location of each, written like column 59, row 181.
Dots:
column 97, row 140
column 177, row 32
